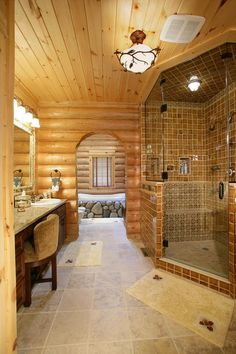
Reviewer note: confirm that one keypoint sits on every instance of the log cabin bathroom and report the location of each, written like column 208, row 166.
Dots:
column 118, row 182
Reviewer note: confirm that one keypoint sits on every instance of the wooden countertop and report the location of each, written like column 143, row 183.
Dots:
column 25, row 218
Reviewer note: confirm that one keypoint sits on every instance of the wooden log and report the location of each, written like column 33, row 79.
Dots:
column 54, row 158
column 88, row 124
column 7, row 244
column 66, row 170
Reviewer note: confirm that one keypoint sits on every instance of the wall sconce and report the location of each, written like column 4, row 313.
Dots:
column 194, row 83
column 17, row 178
column 139, row 57
column 24, row 114
column 56, row 180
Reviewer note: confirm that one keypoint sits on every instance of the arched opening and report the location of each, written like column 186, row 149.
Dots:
column 100, row 177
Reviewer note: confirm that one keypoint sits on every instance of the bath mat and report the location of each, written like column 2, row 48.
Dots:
column 199, row 309
column 82, row 254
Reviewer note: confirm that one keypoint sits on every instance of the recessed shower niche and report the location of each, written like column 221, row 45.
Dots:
column 191, row 141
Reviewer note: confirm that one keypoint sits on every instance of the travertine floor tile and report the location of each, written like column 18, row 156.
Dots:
column 176, row 330
column 76, row 299
column 157, row 346
column 32, row 329
column 44, row 301
column 69, row 328
column 109, row 325
column 110, row 348
column 68, row 349
column 146, row 323
column 81, row 280
column 230, row 343
column 30, row 351
column 195, row 345
column 106, row 298
column 104, row 280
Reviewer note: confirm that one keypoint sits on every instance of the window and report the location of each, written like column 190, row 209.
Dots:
column 102, row 171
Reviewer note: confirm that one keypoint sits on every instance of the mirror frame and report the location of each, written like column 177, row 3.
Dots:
column 31, row 132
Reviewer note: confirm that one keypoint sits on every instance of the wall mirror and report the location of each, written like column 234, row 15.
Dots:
column 24, row 157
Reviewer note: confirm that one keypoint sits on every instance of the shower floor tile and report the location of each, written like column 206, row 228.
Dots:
column 209, row 255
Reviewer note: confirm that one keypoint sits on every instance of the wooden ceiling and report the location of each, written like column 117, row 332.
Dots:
column 64, row 48
column 208, row 67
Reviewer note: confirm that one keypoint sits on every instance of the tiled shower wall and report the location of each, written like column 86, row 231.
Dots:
column 192, row 208
column 185, row 216
column 184, row 137
column 217, row 162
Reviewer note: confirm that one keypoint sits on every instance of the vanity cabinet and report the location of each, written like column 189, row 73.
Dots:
column 25, row 234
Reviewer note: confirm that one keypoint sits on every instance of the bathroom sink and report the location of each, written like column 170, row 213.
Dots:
column 48, row 201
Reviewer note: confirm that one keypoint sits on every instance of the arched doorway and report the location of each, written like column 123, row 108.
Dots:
column 101, row 177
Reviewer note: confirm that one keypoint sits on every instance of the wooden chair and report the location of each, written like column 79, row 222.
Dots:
column 43, row 251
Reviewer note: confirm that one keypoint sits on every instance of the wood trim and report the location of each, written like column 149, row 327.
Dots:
column 7, row 244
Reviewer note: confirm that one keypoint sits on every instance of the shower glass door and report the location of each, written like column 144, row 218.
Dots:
column 198, row 139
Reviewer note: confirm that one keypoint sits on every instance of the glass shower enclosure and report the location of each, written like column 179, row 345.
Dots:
column 190, row 146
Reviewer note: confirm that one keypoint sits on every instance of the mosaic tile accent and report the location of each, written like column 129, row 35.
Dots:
column 186, row 216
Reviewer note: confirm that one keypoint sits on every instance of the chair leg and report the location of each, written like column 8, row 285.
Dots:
column 54, row 272
column 27, row 302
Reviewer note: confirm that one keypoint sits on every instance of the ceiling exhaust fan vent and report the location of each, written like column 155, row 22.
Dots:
column 181, row 28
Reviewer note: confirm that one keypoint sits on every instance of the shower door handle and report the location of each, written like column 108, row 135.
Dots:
column 221, row 190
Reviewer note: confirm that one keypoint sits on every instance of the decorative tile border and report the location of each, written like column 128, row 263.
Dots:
column 152, row 236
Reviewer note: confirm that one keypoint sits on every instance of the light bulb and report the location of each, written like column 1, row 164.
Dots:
column 28, row 117
column 20, row 113
column 35, row 123
column 194, row 83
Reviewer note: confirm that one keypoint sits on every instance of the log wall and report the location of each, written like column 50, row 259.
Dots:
column 63, row 129
column 100, row 145
column 7, row 239
column 22, row 154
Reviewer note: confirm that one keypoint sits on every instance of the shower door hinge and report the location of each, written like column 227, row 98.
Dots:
column 165, row 243
column 164, row 175
column 164, row 107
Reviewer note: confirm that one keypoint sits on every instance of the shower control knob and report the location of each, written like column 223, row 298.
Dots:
column 231, row 172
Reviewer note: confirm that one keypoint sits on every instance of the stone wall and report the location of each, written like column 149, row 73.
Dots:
column 103, row 209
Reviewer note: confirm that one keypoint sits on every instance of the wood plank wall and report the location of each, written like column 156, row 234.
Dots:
column 63, row 128
column 100, row 144
column 7, row 242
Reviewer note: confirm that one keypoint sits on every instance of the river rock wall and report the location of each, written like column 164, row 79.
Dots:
column 106, row 209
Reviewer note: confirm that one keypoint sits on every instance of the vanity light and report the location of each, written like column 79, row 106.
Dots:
column 28, row 118
column 35, row 123
column 20, row 112
column 24, row 116
column 139, row 57
column 194, row 83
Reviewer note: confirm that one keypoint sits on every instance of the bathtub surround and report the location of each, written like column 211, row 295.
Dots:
column 186, row 303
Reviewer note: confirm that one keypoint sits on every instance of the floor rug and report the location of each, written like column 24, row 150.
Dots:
column 82, row 254
column 199, row 309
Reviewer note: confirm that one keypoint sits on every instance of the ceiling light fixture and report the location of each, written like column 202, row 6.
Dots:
column 194, row 83
column 139, row 57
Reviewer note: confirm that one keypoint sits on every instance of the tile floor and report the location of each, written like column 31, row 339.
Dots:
column 208, row 255
column 90, row 313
